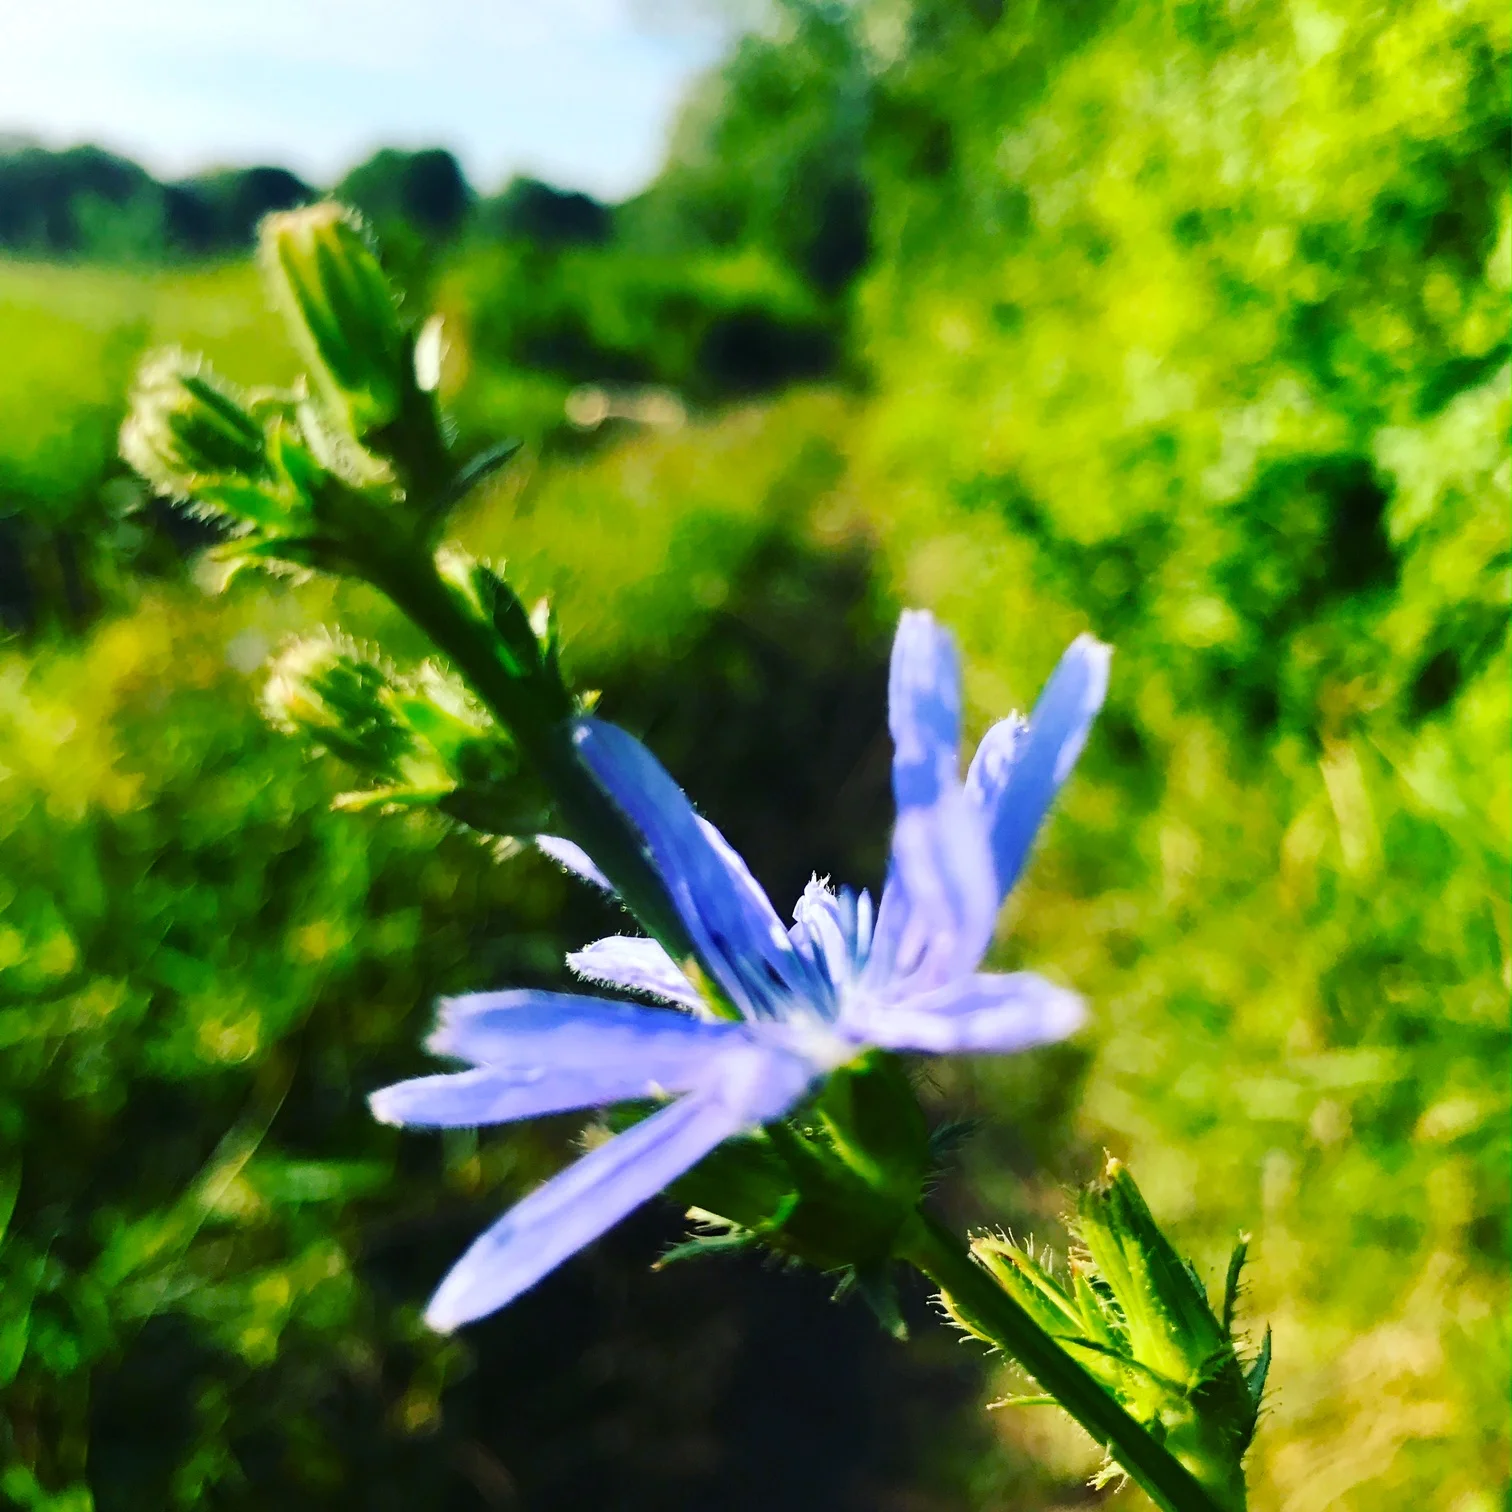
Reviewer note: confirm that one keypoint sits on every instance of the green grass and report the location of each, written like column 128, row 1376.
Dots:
column 74, row 335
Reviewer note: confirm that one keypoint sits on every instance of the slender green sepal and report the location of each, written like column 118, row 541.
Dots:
column 1231, row 1282
column 1093, row 1310
column 1016, row 1271
column 878, row 1288
column 323, row 270
column 475, row 471
column 702, row 1246
column 1255, row 1376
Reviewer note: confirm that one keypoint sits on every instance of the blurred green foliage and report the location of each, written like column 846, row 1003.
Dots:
column 1186, row 323
column 1214, row 360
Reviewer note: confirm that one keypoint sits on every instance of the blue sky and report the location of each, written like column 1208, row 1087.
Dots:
column 581, row 92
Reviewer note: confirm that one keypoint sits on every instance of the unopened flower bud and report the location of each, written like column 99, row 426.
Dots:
column 1136, row 1317
column 1171, row 1325
column 220, row 453
column 438, row 708
column 1186, row 1372
column 343, row 312
column 526, row 641
column 418, row 738
column 186, row 426
column 322, row 689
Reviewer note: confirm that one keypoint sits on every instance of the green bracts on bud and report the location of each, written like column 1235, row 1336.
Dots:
column 185, row 427
column 1187, row 1367
column 1075, row 1317
column 1033, row 1286
column 523, row 643
column 324, row 272
column 240, row 458
column 349, row 471
column 1170, row 1324
column 321, row 689
column 418, row 738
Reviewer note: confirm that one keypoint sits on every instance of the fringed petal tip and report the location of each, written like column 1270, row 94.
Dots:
column 448, row 1037
column 637, row 965
column 1022, row 769
column 573, row 858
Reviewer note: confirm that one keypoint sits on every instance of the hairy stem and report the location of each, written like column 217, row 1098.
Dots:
column 588, row 814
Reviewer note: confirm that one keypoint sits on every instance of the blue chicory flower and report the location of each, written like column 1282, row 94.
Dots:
column 811, row 998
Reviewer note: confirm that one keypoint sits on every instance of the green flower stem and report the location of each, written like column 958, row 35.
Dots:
column 410, row 579
column 946, row 1260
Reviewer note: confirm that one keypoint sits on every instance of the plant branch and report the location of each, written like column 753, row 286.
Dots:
column 590, row 817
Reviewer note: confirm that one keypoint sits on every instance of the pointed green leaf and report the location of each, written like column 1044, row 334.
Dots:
column 476, row 469
column 1094, row 1312
column 703, row 1245
column 1254, row 1377
column 1029, row 1283
column 878, row 1289
column 1231, row 1283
